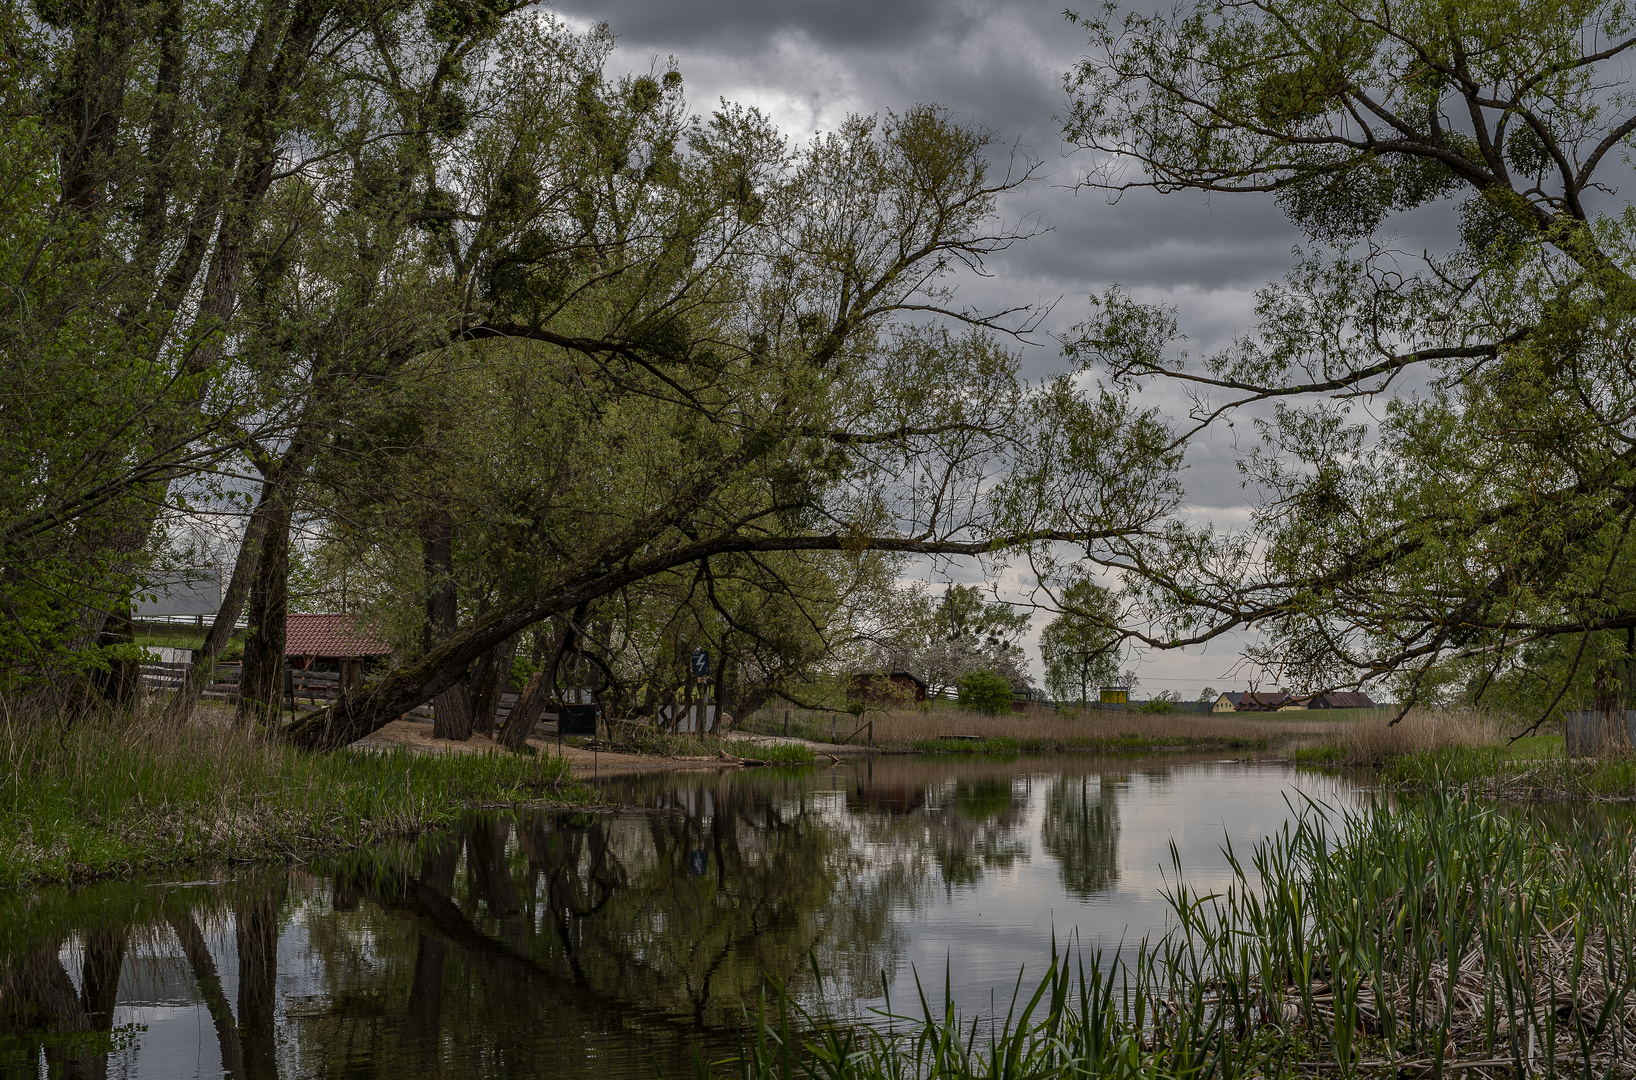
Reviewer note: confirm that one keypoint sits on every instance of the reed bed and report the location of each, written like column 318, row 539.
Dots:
column 1375, row 744
column 1441, row 939
column 119, row 794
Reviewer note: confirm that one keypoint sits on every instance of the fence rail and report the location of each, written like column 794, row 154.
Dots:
column 302, row 690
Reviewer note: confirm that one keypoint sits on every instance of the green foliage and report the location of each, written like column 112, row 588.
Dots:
column 1472, row 537
column 984, row 692
column 1081, row 646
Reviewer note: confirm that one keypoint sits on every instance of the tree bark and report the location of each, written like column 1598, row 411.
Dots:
column 273, row 512
column 493, row 675
column 451, row 703
column 261, row 681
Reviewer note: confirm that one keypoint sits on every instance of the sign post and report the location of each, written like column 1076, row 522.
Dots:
column 698, row 665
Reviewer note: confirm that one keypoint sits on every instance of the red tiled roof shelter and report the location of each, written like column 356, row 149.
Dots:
column 339, row 643
column 331, row 637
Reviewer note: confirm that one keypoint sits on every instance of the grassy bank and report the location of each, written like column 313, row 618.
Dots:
column 107, row 796
column 1538, row 770
column 1442, row 939
column 958, row 731
column 1113, row 744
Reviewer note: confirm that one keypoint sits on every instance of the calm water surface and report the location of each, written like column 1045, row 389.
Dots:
column 617, row 945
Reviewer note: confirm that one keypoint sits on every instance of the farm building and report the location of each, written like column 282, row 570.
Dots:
column 885, row 691
column 1227, row 702
column 337, row 643
column 1275, row 701
column 1342, row 699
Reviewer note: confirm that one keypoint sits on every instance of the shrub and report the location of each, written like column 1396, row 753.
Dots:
column 985, row 692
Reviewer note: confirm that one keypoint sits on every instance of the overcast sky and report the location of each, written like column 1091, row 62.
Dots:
column 1000, row 64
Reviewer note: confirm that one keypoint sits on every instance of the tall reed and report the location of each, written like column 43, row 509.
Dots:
column 1433, row 940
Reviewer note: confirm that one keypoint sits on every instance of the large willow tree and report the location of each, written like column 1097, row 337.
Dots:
column 1486, row 506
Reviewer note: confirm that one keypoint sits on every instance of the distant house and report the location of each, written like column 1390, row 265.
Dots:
column 1343, row 699
column 1227, row 702
column 884, row 691
column 333, row 643
column 1269, row 702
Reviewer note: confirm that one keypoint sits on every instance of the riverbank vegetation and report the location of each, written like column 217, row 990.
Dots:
column 1435, row 938
column 116, row 795
column 946, row 729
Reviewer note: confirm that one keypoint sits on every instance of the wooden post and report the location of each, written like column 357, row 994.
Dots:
column 786, row 723
column 871, row 734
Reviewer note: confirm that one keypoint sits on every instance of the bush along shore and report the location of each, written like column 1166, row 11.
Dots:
column 1437, row 939
column 112, row 796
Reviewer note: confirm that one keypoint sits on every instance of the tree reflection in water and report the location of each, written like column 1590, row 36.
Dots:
column 1080, row 829
column 540, row 943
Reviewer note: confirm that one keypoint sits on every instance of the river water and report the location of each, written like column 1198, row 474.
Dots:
column 622, row 944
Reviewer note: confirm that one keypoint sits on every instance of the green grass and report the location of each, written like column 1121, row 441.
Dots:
column 780, row 753
column 108, row 797
column 1328, row 952
column 1324, row 754
column 1531, row 769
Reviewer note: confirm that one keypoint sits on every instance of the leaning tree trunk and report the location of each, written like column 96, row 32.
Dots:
column 541, row 689
column 273, row 512
column 493, row 673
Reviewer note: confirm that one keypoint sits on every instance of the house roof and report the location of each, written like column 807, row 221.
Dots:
column 1252, row 702
column 1346, row 699
column 1232, row 697
column 330, row 635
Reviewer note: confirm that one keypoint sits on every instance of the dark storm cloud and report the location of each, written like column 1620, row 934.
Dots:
column 703, row 25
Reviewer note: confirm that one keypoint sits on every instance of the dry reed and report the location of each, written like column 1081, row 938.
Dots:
column 1375, row 744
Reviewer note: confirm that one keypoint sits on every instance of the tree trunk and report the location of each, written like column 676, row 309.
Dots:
column 274, row 509
column 541, row 690
column 1612, row 738
column 261, row 681
column 119, row 684
column 493, row 676
column 451, row 706
column 451, row 713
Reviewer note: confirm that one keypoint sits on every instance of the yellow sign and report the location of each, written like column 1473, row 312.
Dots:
column 1115, row 695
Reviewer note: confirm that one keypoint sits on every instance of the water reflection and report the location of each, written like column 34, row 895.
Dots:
column 1081, row 831
column 546, row 944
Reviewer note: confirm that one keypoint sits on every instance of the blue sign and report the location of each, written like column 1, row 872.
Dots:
column 699, row 663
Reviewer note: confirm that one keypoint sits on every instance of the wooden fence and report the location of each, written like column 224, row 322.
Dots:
column 302, row 690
